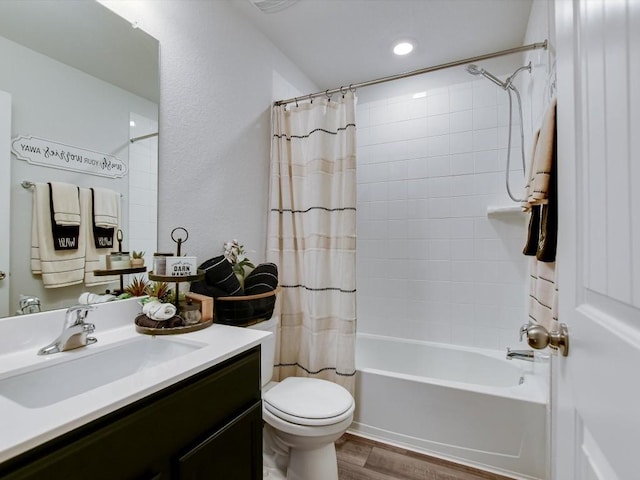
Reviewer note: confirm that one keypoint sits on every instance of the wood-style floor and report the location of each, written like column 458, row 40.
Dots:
column 363, row 459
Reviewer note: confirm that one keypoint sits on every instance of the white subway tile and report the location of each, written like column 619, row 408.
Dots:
column 397, row 209
column 439, row 228
column 461, row 228
column 438, row 145
column 461, row 121
column 439, row 250
column 398, row 170
column 437, row 125
column 461, row 99
column 417, row 188
column 417, row 208
column 461, row 142
column 439, row 207
column 416, row 168
column 438, row 104
column 417, row 148
column 439, row 166
column 488, row 161
column 485, row 139
column 486, row 117
column 462, row 163
column 439, row 186
column 462, row 185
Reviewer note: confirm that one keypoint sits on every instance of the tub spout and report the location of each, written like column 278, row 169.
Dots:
column 520, row 355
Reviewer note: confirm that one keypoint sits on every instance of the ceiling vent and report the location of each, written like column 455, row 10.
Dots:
column 272, row 6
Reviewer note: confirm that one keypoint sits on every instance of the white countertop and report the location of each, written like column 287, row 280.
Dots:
column 22, row 428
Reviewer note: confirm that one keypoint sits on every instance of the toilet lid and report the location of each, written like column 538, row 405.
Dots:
column 308, row 398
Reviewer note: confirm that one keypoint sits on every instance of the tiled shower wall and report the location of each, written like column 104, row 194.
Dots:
column 431, row 265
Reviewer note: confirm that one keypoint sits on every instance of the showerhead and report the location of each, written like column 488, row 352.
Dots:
column 475, row 70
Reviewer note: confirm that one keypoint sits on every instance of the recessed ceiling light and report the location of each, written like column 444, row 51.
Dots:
column 132, row 123
column 402, row 48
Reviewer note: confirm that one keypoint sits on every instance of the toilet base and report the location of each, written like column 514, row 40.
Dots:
column 314, row 464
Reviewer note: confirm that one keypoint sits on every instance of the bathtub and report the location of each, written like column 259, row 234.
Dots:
column 471, row 406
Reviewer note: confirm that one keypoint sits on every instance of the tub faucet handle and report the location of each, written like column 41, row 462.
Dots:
column 523, row 330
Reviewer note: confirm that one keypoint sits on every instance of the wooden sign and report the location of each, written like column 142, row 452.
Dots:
column 47, row 153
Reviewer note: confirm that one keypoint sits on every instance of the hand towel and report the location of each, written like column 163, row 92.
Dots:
column 542, row 194
column 92, row 253
column 65, row 237
column 102, row 237
column 59, row 268
column 66, row 204
column 157, row 310
column 106, row 208
column 542, row 157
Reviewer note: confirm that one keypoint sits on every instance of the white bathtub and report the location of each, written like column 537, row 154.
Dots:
column 469, row 405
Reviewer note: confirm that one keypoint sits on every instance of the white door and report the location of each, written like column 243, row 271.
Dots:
column 5, row 196
column 596, row 389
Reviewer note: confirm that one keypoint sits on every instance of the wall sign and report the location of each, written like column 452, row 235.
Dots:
column 47, row 153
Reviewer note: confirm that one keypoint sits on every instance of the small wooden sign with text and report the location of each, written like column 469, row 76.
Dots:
column 47, row 153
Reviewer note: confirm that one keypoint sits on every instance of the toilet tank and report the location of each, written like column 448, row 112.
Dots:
column 268, row 347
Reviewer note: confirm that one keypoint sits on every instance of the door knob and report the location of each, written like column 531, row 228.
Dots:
column 2, row 275
column 538, row 337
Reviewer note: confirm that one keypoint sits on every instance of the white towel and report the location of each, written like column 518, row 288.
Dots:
column 106, row 208
column 59, row 268
column 66, row 204
column 92, row 254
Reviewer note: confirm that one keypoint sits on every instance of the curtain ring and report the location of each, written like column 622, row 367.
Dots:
column 296, row 101
column 326, row 92
column 351, row 89
column 310, row 98
column 343, row 92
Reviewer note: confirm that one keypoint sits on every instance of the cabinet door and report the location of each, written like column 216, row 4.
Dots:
column 232, row 453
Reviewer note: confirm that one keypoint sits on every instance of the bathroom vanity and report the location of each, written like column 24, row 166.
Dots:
column 159, row 408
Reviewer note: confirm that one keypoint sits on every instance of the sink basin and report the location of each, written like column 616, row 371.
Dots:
column 50, row 384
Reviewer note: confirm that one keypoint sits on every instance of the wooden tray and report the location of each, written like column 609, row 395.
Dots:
column 171, row 331
column 119, row 271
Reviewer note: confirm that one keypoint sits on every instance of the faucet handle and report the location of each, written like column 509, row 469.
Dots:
column 76, row 314
column 524, row 329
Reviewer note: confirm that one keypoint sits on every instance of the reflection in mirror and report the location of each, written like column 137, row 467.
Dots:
column 79, row 75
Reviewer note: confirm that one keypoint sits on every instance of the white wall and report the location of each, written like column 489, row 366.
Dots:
column 218, row 77
column 431, row 265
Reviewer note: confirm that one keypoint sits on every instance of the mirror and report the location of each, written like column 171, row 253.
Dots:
column 81, row 76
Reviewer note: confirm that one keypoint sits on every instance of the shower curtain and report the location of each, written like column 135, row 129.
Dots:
column 312, row 238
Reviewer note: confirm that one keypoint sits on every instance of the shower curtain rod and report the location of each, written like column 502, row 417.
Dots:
column 143, row 137
column 442, row 66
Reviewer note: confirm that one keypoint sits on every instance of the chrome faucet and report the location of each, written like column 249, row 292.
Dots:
column 520, row 355
column 74, row 331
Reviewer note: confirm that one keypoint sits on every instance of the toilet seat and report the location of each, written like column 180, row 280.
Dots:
column 309, row 401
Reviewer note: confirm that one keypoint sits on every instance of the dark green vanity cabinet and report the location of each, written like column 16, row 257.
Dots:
column 206, row 427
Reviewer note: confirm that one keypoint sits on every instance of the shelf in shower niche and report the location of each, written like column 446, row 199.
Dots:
column 495, row 211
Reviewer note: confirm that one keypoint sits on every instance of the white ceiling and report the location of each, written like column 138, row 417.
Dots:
column 342, row 42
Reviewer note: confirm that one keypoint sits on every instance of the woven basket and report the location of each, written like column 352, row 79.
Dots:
column 245, row 310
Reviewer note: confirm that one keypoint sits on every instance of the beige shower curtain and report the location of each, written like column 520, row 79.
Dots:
column 312, row 238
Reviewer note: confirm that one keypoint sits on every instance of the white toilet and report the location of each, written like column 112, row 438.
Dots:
column 303, row 418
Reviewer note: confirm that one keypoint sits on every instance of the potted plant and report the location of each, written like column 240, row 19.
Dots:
column 137, row 259
column 138, row 287
column 235, row 254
